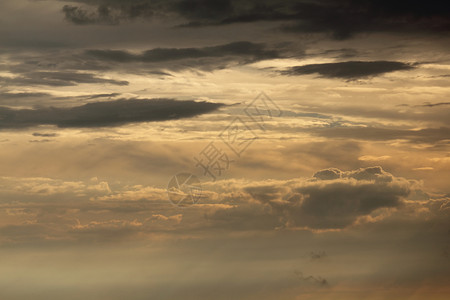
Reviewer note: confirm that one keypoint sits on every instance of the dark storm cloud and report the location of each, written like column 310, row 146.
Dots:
column 426, row 135
column 349, row 70
column 111, row 113
column 341, row 19
column 56, row 78
column 247, row 51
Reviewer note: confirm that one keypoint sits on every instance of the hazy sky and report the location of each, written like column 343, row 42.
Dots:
column 317, row 132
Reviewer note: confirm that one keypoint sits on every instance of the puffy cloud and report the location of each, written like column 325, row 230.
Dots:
column 328, row 174
column 332, row 199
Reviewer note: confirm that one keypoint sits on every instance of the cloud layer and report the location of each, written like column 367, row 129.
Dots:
column 341, row 19
column 350, row 70
column 107, row 113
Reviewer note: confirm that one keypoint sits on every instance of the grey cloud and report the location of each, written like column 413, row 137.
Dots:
column 341, row 53
column 111, row 12
column 369, row 173
column 27, row 99
column 242, row 52
column 322, row 202
column 204, row 10
column 340, row 19
column 114, row 12
column 266, row 194
column 95, row 96
column 110, row 113
column 311, row 279
column 45, row 134
column 343, row 19
column 427, row 135
column 434, row 104
column 56, row 78
column 40, row 141
column 80, row 16
column 328, row 174
column 9, row 95
column 18, row 98
column 339, row 203
column 318, row 255
column 349, row 70
column 86, row 66
column 434, row 117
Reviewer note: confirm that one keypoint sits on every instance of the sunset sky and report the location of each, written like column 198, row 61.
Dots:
column 317, row 133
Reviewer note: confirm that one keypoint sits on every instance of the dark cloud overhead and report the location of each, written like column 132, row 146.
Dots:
column 349, row 70
column 342, row 19
column 108, row 113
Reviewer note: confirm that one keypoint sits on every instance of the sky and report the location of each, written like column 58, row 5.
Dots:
column 200, row 149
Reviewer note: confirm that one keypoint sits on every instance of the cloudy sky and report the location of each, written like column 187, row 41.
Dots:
column 224, row 149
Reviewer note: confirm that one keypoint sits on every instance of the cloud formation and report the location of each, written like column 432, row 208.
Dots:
column 426, row 135
column 57, row 79
column 87, row 210
column 350, row 70
column 332, row 199
column 108, row 113
column 341, row 19
column 215, row 57
column 252, row 50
